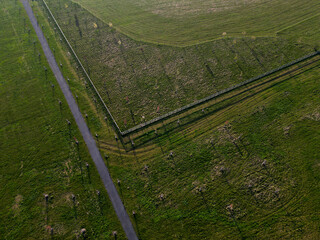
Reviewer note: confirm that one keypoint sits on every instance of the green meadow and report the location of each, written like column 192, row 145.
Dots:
column 182, row 23
column 248, row 169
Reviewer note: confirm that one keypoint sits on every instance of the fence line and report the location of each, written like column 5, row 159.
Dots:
column 84, row 71
column 217, row 94
column 179, row 110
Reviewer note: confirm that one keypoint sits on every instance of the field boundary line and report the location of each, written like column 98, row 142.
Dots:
column 177, row 111
column 217, row 94
column 251, row 90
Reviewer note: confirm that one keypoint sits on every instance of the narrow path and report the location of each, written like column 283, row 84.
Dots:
column 88, row 138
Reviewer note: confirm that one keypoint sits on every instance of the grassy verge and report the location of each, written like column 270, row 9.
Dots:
column 39, row 154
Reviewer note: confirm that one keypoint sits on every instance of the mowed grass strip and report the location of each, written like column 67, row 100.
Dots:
column 38, row 151
column 305, row 31
column 183, row 23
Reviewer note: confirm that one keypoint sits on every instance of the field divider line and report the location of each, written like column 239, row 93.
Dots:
column 215, row 95
column 85, row 131
column 175, row 112
column 84, row 70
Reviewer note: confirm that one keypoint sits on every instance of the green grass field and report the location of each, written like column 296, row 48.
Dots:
column 182, row 23
column 135, row 78
column 256, row 163
column 249, row 170
column 305, row 31
column 38, row 152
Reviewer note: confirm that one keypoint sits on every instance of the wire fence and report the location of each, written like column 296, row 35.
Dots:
column 215, row 95
column 111, row 118
column 175, row 112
